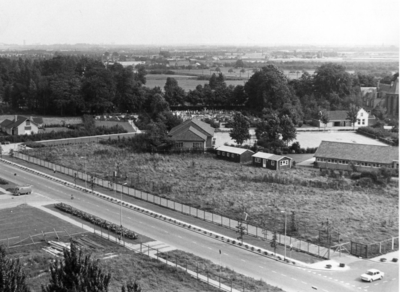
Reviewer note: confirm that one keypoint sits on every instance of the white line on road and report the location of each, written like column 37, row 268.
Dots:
column 242, row 260
column 273, row 272
column 284, row 275
column 384, row 281
column 179, row 236
column 303, row 282
column 261, row 267
column 294, row 279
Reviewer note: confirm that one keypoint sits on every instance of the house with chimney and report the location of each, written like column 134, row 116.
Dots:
column 21, row 125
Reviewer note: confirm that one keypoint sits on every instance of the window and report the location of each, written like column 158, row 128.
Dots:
column 197, row 145
column 218, row 152
column 223, row 153
column 329, row 160
column 213, row 142
column 361, row 114
column 363, row 121
column 358, row 122
column 256, row 159
column 28, row 122
column 179, row 145
column 227, row 154
column 272, row 163
column 28, row 128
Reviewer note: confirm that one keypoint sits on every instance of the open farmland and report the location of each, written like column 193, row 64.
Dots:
column 360, row 214
column 185, row 82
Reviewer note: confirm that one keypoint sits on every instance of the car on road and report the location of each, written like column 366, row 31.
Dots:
column 372, row 275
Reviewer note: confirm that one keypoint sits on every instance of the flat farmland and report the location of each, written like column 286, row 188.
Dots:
column 24, row 221
column 228, row 188
column 185, row 82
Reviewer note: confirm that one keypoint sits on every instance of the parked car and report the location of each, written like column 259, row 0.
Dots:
column 372, row 275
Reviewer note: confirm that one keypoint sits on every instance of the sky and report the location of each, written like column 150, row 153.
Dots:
column 201, row 22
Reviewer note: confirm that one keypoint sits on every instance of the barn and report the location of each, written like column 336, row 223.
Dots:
column 234, row 154
column 271, row 161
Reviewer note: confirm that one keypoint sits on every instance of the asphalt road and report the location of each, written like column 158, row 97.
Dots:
column 288, row 277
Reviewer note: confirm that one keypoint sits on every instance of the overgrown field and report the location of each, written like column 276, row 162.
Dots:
column 360, row 214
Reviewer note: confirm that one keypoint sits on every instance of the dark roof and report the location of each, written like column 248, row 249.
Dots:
column 357, row 152
column 190, row 134
column 337, row 115
column 199, row 125
column 38, row 120
column 15, row 123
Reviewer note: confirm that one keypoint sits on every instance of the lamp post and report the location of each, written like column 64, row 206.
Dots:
column 84, row 157
column 284, row 211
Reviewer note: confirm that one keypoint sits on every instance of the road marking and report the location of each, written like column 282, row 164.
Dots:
column 273, row 272
column 384, row 281
column 376, row 284
column 303, row 282
column 261, row 267
column 294, row 279
column 366, row 287
column 242, row 260
column 284, row 275
column 193, row 241
column 393, row 279
column 179, row 236
column 325, row 276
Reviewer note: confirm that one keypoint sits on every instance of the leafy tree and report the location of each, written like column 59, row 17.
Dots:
column 324, row 117
column 268, row 88
column 141, row 74
column 274, row 241
column 288, row 130
column 352, row 114
column 230, row 70
column 12, row 276
column 239, row 96
column 240, row 130
column 268, row 131
column 174, row 94
column 332, row 78
column 240, row 229
column 77, row 272
column 239, row 64
column 213, row 81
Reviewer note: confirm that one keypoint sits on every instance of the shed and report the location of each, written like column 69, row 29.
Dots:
column 271, row 161
column 235, row 154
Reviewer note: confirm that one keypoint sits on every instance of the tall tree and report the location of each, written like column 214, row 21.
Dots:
column 324, row 117
column 352, row 114
column 268, row 88
column 174, row 94
column 77, row 272
column 12, row 276
column 288, row 130
column 240, row 130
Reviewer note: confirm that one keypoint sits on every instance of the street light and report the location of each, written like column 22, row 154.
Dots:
column 84, row 157
column 284, row 211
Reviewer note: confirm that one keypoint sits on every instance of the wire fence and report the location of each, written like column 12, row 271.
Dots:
column 374, row 249
column 229, row 223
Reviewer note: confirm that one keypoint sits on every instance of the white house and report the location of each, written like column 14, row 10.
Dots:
column 340, row 119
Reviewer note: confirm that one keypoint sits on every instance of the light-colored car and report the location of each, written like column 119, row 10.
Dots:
column 372, row 275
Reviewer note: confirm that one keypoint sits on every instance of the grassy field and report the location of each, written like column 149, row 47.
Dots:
column 22, row 222
column 362, row 215
column 183, row 81
column 152, row 275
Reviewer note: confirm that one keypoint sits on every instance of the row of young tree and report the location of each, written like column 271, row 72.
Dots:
column 76, row 272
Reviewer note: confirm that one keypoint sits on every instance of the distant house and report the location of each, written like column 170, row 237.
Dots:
column 234, row 154
column 193, row 134
column 20, row 126
column 271, row 161
column 340, row 156
column 339, row 119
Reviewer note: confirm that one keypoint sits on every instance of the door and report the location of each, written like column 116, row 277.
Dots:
column 264, row 162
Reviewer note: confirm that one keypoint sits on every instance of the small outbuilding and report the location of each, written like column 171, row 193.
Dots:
column 271, row 161
column 234, row 154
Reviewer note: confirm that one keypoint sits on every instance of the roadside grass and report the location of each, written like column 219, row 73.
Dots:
column 362, row 215
column 24, row 222
column 217, row 272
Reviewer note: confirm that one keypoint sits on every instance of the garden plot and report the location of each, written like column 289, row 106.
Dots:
column 228, row 189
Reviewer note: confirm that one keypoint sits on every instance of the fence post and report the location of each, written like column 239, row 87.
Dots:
column 392, row 243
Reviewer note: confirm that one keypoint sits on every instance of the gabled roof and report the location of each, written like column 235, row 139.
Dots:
column 234, row 150
column 199, row 125
column 16, row 123
column 357, row 152
column 190, row 134
column 337, row 115
column 269, row 156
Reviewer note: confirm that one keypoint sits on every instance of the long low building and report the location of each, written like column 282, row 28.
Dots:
column 341, row 156
column 234, row 154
